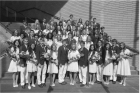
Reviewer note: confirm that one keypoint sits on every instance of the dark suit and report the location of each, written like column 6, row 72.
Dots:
column 22, row 29
column 84, row 59
column 62, row 55
column 31, row 40
column 43, row 26
column 39, row 51
column 101, row 51
column 117, row 51
column 23, row 58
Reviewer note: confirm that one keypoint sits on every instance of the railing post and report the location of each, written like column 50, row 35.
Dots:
column 15, row 16
column 7, row 11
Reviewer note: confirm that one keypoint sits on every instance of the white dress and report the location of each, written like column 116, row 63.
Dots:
column 73, row 66
column 14, row 67
column 108, row 70
column 53, row 68
column 92, row 67
column 123, row 65
column 87, row 45
column 31, row 67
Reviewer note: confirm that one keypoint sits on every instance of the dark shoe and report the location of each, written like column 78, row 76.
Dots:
column 99, row 82
column 23, row 87
column 44, row 85
column 114, row 82
column 63, row 83
column 40, row 85
column 78, row 82
column 82, row 85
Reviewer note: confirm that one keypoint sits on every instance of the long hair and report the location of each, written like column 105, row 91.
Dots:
column 122, row 49
column 30, row 48
column 109, row 50
column 93, row 49
column 14, row 45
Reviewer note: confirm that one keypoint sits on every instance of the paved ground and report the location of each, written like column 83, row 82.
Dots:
column 132, row 86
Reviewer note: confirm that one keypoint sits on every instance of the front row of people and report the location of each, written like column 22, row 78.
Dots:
column 104, row 61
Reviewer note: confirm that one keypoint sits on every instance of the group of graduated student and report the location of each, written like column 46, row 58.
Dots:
column 66, row 46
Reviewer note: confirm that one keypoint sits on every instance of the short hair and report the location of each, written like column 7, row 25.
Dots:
column 94, row 18
column 71, row 15
column 114, row 40
column 102, row 27
column 82, row 42
column 63, row 41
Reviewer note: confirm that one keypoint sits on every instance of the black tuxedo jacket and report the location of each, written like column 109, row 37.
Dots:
column 39, row 51
column 62, row 55
column 84, row 59
column 43, row 26
column 101, row 51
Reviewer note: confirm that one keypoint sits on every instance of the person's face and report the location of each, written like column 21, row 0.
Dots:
column 68, row 28
column 22, row 36
column 114, row 43
column 92, row 47
column 107, row 46
column 25, row 41
column 77, row 33
column 54, row 33
column 58, row 27
column 73, row 28
column 99, row 43
column 73, row 46
column 44, row 20
column 70, row 36
column 80, row 20
column 25, row 23
column 58, row 37
column 88, row 38
column 31, row 33
column 71, row 17
column 40, row 33
column 53, row 47
column 16, row 43
column 94, row 20
column 33, row 46
column 122, row 45
column 64, row 43
column 80, row 39
column 109, row 38
column 36, row 37
column 50, row 35
column 15, row 33
column 84, row 32
column 36, row 21
column 82, row 45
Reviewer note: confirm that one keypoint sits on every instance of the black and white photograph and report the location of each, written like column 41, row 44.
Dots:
column 69, row 46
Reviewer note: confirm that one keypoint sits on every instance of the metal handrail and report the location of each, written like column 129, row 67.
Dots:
column 20, row 13
column 7, row 29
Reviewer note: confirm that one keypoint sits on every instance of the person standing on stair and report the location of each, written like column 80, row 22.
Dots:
column 14, row 64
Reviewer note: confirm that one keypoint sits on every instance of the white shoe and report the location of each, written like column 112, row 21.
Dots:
column 92, row 83
column 124, row 84
column 29, row 87
column 120, row 83
column 89, row 82
column 16, row 86
column 70, row 83
column 53, row 85
column 33, row 85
